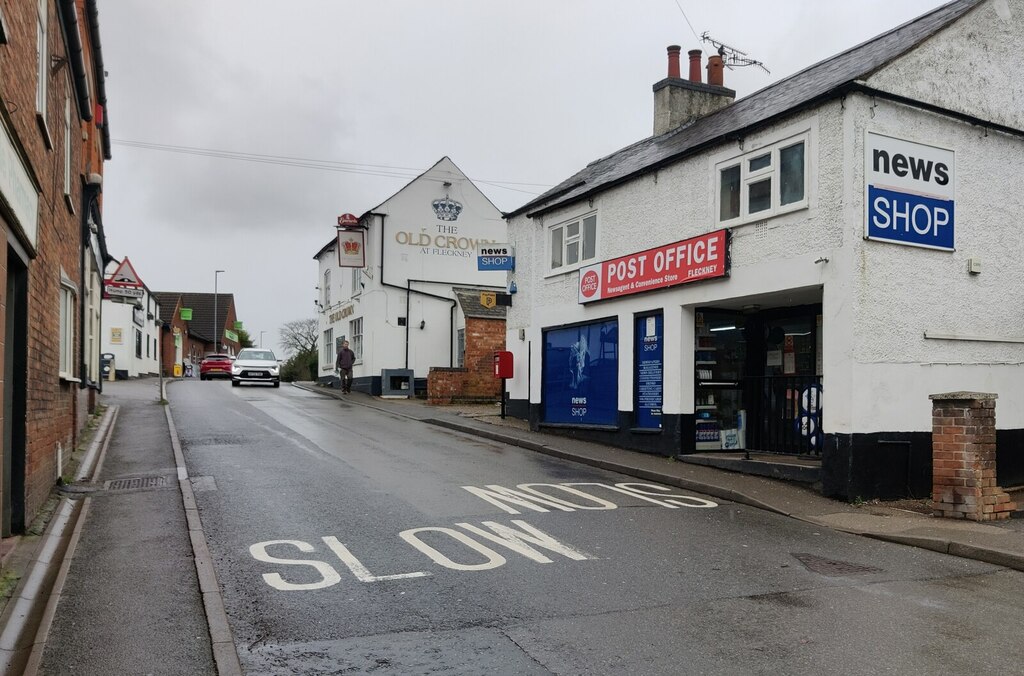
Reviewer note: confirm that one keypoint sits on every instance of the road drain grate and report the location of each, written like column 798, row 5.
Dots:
column 135, row 482
column 823, row 566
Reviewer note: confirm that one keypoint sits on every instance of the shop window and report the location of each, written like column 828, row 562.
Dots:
column 580, row 375
column 762, row 183
column 573, row 243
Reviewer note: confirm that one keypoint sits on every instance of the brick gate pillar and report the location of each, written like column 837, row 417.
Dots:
column 964, row 458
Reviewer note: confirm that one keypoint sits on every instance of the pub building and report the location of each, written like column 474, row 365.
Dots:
column 776, row 284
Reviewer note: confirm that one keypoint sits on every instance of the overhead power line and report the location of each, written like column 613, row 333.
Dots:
column 687, row 19
column 382, row 170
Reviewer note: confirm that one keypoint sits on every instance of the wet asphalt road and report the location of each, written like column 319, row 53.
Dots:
column 314, row 511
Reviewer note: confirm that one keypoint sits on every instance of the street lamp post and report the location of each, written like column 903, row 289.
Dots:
column 216, row 333
column 261, row 338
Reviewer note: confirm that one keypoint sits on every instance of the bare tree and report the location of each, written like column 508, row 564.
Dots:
column 299, row 336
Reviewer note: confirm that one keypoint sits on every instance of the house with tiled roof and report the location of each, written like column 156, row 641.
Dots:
column 131, row 332
column 779, row 283
column 189, row 323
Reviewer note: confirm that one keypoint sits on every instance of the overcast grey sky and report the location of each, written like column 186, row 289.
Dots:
column 520, row 95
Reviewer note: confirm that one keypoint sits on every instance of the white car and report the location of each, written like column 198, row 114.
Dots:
column 255, row 365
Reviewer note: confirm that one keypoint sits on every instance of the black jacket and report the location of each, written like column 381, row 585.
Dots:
column 346, row 358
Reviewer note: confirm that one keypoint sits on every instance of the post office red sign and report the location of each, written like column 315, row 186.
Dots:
column 690, row 260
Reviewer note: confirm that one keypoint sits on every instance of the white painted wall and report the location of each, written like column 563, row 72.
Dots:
column 118, row 315
column 878, row 298
column 421, row 252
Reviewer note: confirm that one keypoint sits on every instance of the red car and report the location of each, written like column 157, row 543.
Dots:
column 215, row 366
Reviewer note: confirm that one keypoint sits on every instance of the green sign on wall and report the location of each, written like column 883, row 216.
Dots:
column 238, row 326
column 186, row 314
column 231, row 335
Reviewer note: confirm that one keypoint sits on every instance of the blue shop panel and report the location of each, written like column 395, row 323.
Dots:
column 649, row 371
column 580, row 380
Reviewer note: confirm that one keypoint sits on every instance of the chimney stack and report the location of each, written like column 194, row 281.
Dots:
column 678, row 102
column 695, row 55
column 673, row 61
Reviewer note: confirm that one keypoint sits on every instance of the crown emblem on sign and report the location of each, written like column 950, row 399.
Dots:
column 447, row 209
column 351, row 246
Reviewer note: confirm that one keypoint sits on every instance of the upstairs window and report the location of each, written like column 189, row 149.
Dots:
column 573, row 243
column 327, row 288
column 42, row 58
column 763, row 183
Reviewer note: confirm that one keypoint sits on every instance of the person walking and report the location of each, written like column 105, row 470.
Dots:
column 346, row 359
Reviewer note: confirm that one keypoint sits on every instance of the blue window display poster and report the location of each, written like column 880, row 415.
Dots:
column 649, row 370
column 581, row 382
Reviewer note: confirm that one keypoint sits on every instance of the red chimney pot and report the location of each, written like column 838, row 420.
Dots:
column 695, row 55
column 716, row 70
column 673, row 61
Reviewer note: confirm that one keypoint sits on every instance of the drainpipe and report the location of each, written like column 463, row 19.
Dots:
column 90, row 193
column 409, row 290
column 101, row 83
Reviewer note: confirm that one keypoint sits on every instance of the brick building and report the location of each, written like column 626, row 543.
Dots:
column 53, row 143
column 191, row 339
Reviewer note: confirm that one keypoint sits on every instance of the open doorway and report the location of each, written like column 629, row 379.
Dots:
column 15, row 366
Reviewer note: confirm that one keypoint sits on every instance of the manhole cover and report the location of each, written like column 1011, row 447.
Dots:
column 135, row 482
column 823, row 566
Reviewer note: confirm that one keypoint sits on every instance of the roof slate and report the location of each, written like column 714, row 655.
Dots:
column 469, row 300
column 818, row 82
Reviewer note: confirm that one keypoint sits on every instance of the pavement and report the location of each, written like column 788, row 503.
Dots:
column 79, row 569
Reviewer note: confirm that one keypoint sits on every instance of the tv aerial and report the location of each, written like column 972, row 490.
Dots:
column 732, row 57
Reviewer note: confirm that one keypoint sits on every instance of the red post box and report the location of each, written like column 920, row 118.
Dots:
column 502, row 364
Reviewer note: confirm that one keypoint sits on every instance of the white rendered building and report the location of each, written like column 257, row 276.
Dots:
column 797, row 271
column 399, row 312
column 130, row 332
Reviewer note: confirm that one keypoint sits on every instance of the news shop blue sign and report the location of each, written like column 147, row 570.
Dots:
column 495, row 257
column 580, row 382
column 911, row 191
column 649, row 371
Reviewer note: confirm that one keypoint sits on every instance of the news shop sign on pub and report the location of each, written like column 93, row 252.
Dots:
column 911, row 192
column 691, row 260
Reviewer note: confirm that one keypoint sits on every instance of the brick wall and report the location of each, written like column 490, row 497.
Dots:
column 964, row 458
column 476, row 379
column 51, row 401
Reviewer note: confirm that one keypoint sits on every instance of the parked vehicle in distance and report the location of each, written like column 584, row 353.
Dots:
column 215, row 366
column 256, row 365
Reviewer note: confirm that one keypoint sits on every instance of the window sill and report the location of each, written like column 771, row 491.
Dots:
column 47, row 139
column 69, row 379
column 763, row 216
column 566, row 269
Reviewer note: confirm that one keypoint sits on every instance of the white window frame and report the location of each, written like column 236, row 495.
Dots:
column 42, row 58
column 68, row 293
column 330, row 356
column 327, row 288
column 357, row 281
column 772, row 171
column 355, row 329
column 579, row 238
